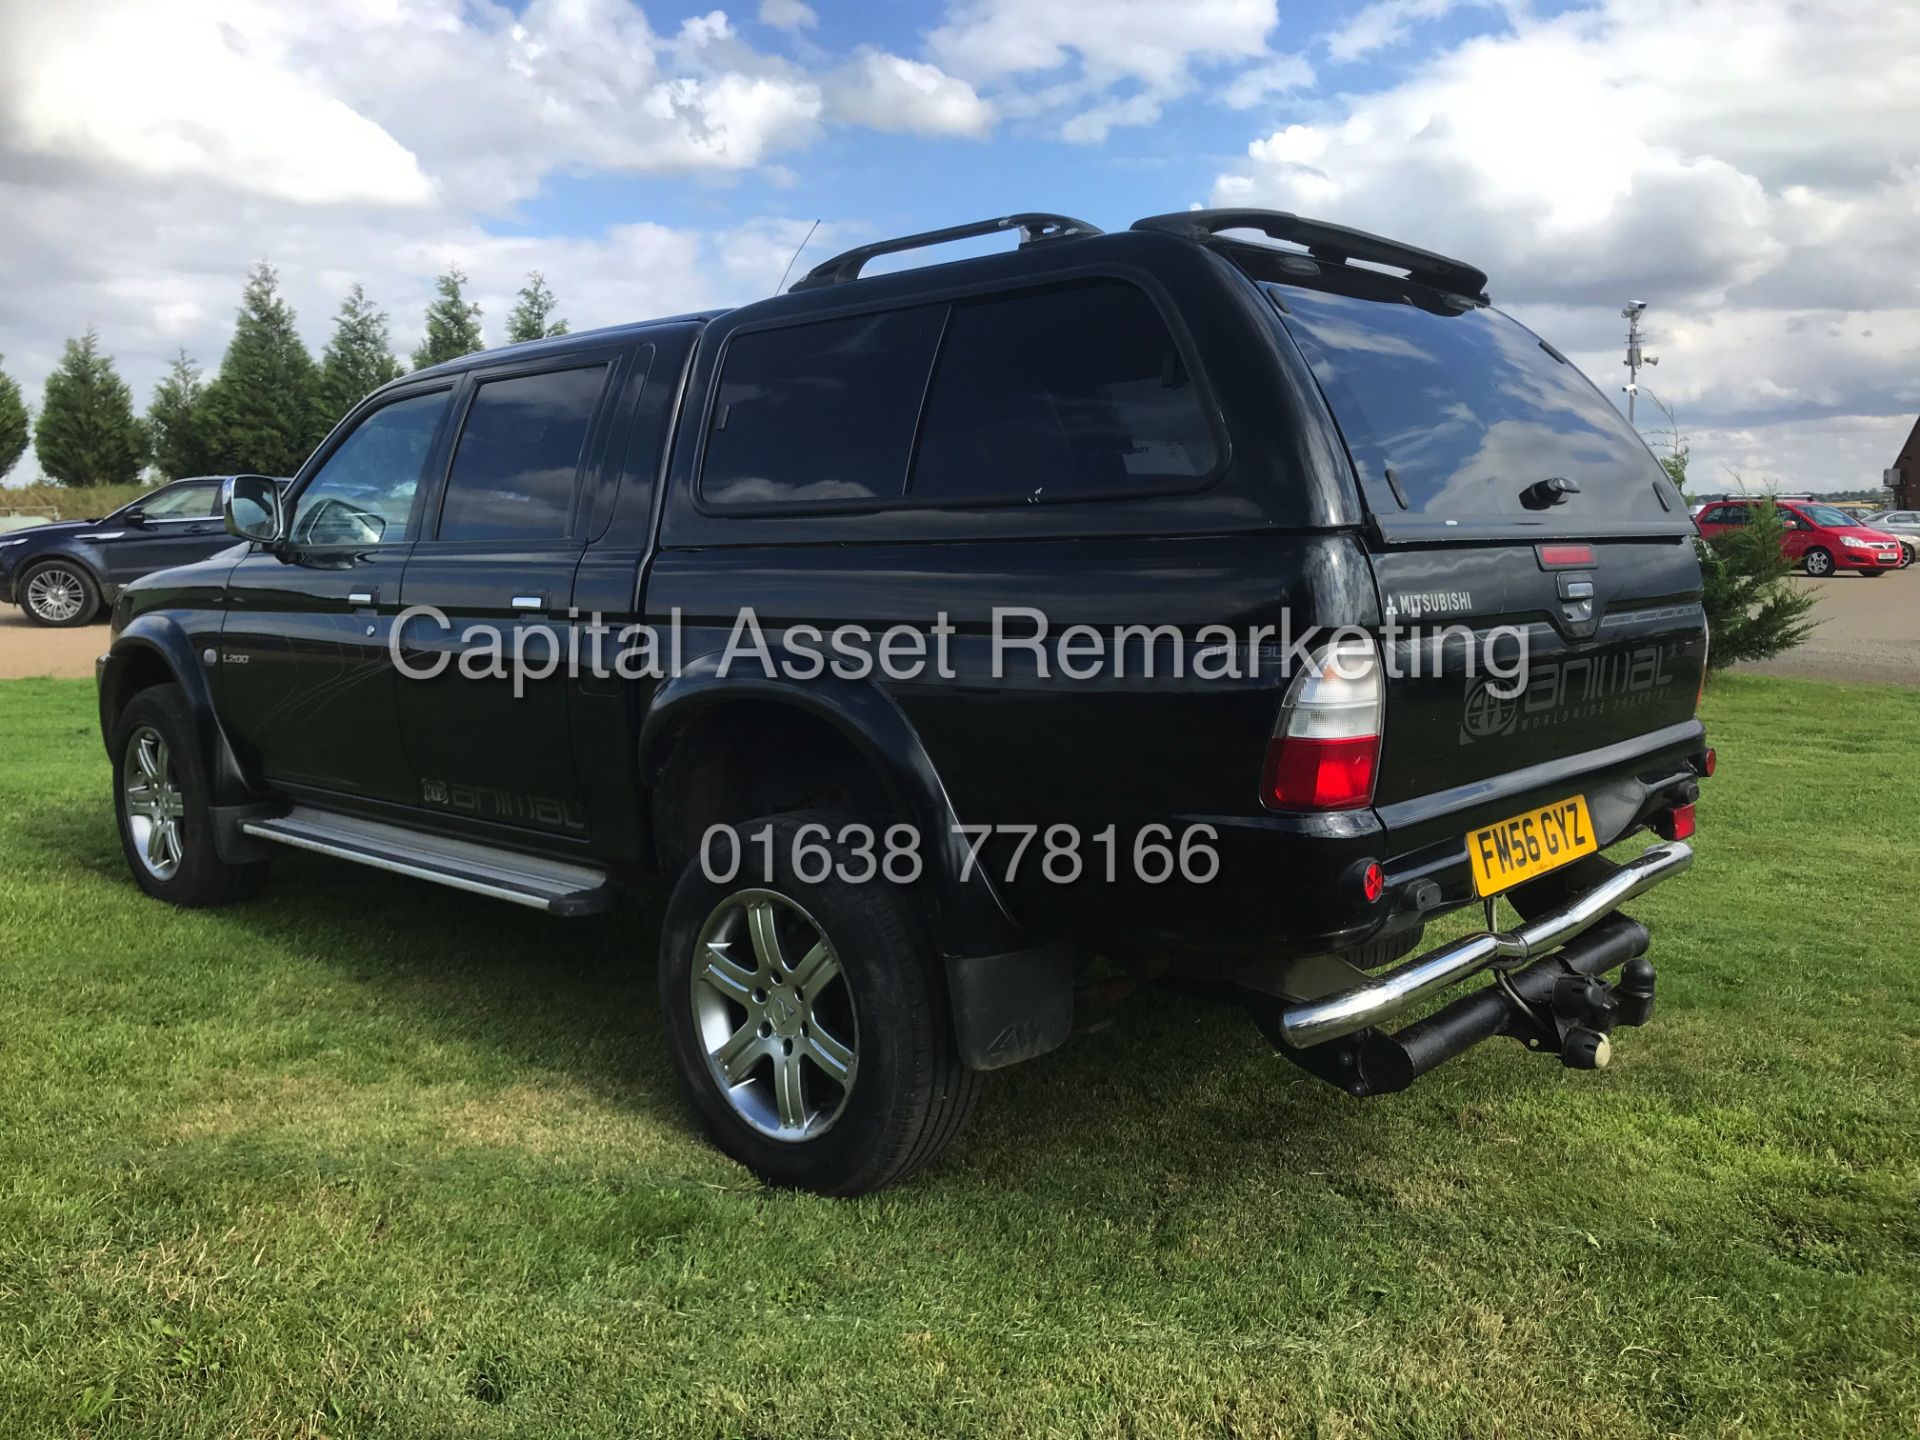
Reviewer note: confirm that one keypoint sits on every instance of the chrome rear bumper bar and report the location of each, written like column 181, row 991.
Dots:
column 1313, row 1022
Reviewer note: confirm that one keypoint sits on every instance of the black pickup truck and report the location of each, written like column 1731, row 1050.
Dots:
column 1218, row 601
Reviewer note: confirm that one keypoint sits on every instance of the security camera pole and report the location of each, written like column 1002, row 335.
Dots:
column 1634, row 360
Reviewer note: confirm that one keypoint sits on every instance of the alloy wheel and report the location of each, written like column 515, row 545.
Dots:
column 55, row 594
column 154, row 803
column 773, row 1015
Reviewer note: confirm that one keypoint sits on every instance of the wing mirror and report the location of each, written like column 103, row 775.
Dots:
column 251, row 507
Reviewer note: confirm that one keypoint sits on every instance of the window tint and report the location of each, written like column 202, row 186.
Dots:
column 363, row 494
column 821, row 412
column 183, row 502
column 1059, row 394
column 1469, row 409
column 519, row 454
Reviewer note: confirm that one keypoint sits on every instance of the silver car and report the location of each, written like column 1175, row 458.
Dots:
column 1903, row 523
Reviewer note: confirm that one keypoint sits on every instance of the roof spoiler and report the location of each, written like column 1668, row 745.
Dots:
column 1335, row 244
column 1034, row 226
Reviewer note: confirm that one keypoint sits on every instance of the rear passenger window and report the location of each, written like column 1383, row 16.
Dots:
column 515, row 468
column 820, row 413
column 1059, row 395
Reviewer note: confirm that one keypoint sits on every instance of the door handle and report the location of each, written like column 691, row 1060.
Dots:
column 529, row 602
column 362, row 597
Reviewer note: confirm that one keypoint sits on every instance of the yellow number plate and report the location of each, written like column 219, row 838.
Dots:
column 1531, row 844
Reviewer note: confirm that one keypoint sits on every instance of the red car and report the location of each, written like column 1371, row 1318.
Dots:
column 1823, row 538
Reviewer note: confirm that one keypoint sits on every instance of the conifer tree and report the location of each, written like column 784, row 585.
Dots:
column 13, row 424
column 263, row 409
column 177, row 422
column 359, row 358
column 87, row 433
column 528, row 319
column 453, row 324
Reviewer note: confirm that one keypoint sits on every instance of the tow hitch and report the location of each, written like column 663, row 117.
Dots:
column 1559, row 1004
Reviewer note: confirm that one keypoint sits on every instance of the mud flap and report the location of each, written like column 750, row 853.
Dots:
column 1011, row 1007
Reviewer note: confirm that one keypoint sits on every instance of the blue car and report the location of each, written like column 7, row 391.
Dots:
column 68, row 573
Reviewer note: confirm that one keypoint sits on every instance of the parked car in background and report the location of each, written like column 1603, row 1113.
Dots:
column 1904, row 526
column 1821, row 538
column 68, row 572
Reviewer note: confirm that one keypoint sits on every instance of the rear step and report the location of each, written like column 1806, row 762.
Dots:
column 550, row 885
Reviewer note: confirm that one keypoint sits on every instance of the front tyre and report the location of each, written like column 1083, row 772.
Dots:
column 1818, row 563
column 162, row 800
column 807, row 1017
column 58, row 593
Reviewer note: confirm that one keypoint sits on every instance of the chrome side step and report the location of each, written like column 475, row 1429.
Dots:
column 551, row 885
column 1311, row 1022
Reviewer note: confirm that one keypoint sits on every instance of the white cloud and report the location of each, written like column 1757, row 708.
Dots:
column 1147, row 48
column 172, row 93
column 887, row 92
column 1279, row 76
column 787, row 15
column 1751, row 167
column 1384, row 23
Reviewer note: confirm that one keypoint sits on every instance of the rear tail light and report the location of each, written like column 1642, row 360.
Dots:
column 1325, row 750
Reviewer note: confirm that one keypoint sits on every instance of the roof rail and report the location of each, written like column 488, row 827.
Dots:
column 1335, row 244
column 1034, row 227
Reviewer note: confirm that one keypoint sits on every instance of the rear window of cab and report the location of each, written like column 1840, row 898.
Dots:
column 1468, row 409
column 1071, row 392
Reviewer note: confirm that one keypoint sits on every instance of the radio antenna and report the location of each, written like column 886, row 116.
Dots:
column 796, row 255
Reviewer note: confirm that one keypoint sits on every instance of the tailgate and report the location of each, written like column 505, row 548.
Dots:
column 1512, row 675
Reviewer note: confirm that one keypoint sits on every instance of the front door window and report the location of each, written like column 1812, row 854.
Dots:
column 363, row 494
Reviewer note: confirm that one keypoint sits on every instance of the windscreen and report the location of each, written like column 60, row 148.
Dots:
column 1470, row 410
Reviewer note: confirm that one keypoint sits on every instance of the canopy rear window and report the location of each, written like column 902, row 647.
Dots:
column 1469, row 410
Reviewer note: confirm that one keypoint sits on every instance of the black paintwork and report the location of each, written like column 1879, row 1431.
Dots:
column 303, row 694
column 121, row 547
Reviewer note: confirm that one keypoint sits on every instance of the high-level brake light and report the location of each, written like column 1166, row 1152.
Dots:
column 1325, row 750
column 1562, row 557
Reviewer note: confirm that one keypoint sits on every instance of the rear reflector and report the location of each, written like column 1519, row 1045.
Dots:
column 1325, row 750
column 1674, row 824
column 1559, row 557
column 1709, row 762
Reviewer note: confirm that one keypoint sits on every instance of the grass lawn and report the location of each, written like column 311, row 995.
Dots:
column 367, row 1157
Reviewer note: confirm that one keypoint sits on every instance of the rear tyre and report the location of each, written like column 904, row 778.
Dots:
column 58, row 593
column 162, row 801
column 807, row 1017
column 1818, row 563
column 1906, row 553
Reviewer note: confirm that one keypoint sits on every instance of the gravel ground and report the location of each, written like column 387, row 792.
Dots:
column 1868, row 630
column 32, row 650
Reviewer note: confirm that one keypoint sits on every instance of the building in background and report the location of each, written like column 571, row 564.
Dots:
column 1905, row 479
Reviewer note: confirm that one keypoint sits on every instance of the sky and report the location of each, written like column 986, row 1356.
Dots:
column 1748, row 168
